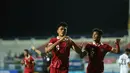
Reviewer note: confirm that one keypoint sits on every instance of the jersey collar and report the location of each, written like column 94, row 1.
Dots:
column 58, row 37
column 94, row 43
column 28, row 57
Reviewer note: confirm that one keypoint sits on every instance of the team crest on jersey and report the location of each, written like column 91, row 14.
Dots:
column 57, row 47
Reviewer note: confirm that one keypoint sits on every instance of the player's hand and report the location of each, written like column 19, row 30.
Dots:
column 33, row 48
column 61, row 39
column 22, row 62
column 117, row 41
column 68, row 39
column 48, row 68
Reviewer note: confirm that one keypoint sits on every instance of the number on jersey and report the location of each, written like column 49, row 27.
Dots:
column 123, row 61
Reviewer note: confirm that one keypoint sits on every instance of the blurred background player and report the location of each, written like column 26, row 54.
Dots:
column 28, row 61
column 60, row 48
column 46, row 59
column 124, row 61
column 97, row 50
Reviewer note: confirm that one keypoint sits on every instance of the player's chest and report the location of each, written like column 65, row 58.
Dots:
column 97, row 49
column 27, row 60
column 63, row 46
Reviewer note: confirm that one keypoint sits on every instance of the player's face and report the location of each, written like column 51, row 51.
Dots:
column 96, row 36
column 25, row 53
column 62, row 31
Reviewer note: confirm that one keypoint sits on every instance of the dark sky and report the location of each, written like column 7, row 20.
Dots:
column 25, row 18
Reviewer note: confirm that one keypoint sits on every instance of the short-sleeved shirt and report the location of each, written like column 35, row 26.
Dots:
column 123, row 62
column 96, row 55
column 28, row 64
column 60, row 55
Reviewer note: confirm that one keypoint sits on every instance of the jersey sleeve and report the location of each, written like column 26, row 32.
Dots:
column 51, row 41
column 32, row 59
column 87, row 47
column 108, row 48
column 119, row 60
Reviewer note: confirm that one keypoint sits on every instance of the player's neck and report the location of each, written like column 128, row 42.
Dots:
column 27, row 56
column 97, row 42
column 59, row 37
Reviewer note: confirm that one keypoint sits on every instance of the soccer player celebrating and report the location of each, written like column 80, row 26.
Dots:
column 97, row 50
column 124, row 61
column 60, row 48
column 28, row 61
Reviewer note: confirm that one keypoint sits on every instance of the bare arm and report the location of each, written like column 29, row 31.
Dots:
column 22, row 62
column 78, row 49
column 37, row 51
column 117, row 48
column 51, row 46
column 84, row 53
column 33, row 62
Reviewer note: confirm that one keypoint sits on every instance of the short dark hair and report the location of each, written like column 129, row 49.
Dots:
column 127, row 50
column 26, row 50
column 64, row 24
column 98, row 30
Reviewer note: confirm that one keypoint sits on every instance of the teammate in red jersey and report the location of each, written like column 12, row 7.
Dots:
column 60, row 48
column 28, row 61
column 97, row 50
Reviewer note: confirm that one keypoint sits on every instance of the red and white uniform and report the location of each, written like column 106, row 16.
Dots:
column 96, row 55
column 29, row 67
column 60, row 59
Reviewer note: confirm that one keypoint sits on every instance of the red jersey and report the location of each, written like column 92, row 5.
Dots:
column 29, row 67
column 60, row 54
column 96, row 55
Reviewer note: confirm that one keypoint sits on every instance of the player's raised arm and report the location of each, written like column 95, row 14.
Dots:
column 78, row 49
column 117, row 48
column 37, row 51
column 84, row 51
column 75, row 47
column 51, row 46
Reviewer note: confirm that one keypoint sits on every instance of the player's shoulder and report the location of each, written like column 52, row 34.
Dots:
column 106, row 44
column 53, row 39
column 30, row 56
column 123, row 55
column 89, row 44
